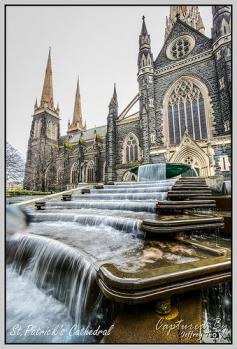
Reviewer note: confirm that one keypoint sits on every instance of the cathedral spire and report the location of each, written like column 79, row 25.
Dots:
column 114, row 99
column 77, row 114
column 145, row 57
column 144, row 29
column 187, row 14
column 47, row 93
column 144, row 38
column 77, row 124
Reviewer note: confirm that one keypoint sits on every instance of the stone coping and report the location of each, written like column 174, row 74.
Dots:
column 51, row 196
column 139, row 287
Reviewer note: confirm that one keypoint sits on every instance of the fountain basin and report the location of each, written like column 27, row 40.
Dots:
column 145, row 286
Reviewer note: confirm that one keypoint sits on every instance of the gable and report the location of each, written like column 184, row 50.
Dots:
column 201, row 44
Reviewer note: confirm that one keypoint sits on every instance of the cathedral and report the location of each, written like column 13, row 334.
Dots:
column 184, row 112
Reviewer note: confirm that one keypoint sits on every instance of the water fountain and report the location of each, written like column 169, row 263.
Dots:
column 84, row 258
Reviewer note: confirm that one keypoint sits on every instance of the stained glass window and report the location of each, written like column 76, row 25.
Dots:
column 186, row 110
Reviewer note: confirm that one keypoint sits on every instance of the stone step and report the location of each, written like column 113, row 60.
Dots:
column 186, row 195
column 182, row 220
column 168, row 205
column 191, row 182
column 197, row 187
column 190, row 192
column 185, row 202
column 182, row 229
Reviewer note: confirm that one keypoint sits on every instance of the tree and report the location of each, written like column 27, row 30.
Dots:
column 15, row 166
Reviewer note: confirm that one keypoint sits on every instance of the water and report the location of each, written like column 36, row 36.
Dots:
column 152, row 172
column 52, row 269
column 227, row 187
column 217, row 314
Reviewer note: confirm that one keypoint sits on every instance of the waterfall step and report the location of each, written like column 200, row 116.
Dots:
column 85, row 191
column 159, row 282
column 184, row 223
column 181, row 229
column 171, row 221
column 99, row 186
column 123, row 196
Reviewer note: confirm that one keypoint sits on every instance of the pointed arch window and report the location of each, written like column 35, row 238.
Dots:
column 186, row 110
column 37, row 128
column 74, row 173
column 90, row 172
column 131, row 148
column 60, row 175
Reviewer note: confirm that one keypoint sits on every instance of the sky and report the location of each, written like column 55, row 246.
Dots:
column 100, row 44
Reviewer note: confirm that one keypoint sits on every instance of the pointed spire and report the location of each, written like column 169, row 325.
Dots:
column 144, row 29
column 144, row 38
column 47, row 93
column 36, row 103
column 114, row 100
column 115, row 92
column 77, row 114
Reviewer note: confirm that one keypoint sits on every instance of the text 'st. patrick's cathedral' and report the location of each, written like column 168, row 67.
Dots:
column 184, row 98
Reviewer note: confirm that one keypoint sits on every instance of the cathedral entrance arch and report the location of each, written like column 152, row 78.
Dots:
column 128, row 177
column 188, row 152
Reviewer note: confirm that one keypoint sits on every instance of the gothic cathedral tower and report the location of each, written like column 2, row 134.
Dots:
column 111, row 138
column 221, row 35
column 146, row 91
column 40, row 173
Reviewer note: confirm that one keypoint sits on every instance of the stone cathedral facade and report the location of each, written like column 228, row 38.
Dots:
column 184, row 112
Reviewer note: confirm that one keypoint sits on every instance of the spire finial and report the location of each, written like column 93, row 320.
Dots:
column 115, row 91
column 144, row 30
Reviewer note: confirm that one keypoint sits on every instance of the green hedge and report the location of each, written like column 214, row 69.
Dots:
column 18, row 192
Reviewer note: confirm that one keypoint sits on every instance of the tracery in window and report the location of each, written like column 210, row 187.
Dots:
column 74, row 173
column 60, row 175
column 180, row 47
column 186, row 109
column 131, row 148
column 37, row 128
column 90, row 172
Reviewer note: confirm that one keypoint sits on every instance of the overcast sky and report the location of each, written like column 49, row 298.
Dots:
column 98, row 43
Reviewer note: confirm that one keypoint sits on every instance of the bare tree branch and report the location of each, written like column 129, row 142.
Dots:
column 15, row 166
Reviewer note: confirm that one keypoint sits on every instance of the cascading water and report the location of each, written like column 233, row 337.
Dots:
column 152, row 172
column 51, row 272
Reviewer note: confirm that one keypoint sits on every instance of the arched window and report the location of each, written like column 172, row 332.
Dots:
column 60, row 176
column 131, row 148
column 74, row 173
column 37, row 129
column 186, row 109
column 54, row 131
column 90, row 172
column 49, row 129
